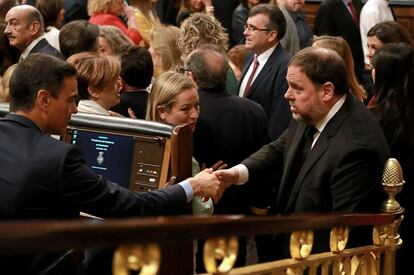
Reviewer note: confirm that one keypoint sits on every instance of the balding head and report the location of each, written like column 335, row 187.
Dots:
column 322, row 65
column 209, row 67
column 24, row 24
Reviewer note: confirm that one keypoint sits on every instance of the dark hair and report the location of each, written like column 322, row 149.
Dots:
column 321, row 65
column 391, row 32
column 393, row 87
column 78, row 36
column 136, row 66
column 209, row 66
column 277, row 20
column 36, row 72
column 50, row 10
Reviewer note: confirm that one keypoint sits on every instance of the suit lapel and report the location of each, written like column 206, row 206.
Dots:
column 245, row 68
column 317, row 151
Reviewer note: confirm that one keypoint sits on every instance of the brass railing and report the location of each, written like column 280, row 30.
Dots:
column 141, row 241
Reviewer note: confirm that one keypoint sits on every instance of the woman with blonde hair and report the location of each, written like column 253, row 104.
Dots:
column 174, row 100
column 164, row 50
column 107, row 12
column 339, row 45
column 5, row 83
column 98, row 81
column 146, row 17
column 112, row 40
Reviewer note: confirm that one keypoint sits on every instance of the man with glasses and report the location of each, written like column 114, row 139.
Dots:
column 263, row 76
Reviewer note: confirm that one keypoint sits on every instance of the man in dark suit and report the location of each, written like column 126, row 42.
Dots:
column 44, row 178
column 25, row 29
column 263, row 76
column 336, row 167
column 230, row 138
column 336, row 18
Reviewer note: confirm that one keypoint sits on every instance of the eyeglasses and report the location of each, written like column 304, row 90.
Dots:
column 252, row 28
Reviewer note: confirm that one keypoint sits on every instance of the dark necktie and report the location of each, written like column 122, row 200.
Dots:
column 250, row 80
column 353, row 13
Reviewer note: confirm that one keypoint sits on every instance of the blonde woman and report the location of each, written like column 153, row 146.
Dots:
column 174, row 100
column 146, row 17
column 98, row 82
column 5, row 83
column 164, row 50
column 107, row 12
column 339, row 45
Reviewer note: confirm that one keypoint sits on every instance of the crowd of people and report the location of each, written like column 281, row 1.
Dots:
column 304, row 122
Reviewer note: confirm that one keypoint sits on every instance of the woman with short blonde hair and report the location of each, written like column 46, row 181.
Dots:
column 98, row 81
column 164, row 50
column 339, row 45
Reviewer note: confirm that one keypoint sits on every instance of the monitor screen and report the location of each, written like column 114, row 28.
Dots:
column 135, row 160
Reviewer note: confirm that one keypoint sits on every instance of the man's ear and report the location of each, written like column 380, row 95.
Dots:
column 274, row 36
column 35, row 27
column 43, row 100
column 328, row 91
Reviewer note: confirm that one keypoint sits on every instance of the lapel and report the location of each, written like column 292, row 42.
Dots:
column 346, row 12
column 42, row 43
column 318, row 149
column 263, row 75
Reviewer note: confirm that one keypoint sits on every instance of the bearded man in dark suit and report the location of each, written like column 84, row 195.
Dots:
column 333, row 152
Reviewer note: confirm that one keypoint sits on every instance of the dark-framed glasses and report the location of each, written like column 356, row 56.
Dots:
column 251, row 28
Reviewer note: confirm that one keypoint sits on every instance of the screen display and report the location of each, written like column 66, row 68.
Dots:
column 132, row 161
column 106, row 154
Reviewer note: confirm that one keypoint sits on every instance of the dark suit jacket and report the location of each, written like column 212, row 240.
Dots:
column 333, row 18
column 230, row 128
column 342, row 172
column 136, row 100
column 44, row 47
column 42, row 177
column 268, row 90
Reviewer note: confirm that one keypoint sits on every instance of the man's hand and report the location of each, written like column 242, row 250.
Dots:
column 228, row 176
column 206, row 184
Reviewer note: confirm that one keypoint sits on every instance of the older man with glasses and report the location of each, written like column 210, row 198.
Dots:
column 263, row 76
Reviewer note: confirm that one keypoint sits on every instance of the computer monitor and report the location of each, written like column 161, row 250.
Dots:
column 133, row 153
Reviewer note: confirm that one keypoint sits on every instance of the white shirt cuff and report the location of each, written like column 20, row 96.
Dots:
column 243, row 174
column 189, row 193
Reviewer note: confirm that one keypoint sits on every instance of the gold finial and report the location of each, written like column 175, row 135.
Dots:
column 392, row 182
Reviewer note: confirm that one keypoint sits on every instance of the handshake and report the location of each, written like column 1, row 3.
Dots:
column 212, row 184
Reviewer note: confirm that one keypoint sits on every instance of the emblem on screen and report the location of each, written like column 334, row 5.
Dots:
column 100, row 158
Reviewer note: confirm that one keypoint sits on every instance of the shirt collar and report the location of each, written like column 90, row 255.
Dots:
column 26, row 51
column 264, row 56
column 322, row 123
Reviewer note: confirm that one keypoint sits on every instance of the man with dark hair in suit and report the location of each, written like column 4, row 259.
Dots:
column 25, row 30
column 263, row 76
column 136, row 74
column 44, row 178
column 333, row 152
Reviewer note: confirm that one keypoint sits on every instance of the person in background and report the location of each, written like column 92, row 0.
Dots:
column 135, row 61
column 339, row 45
column 167, row 11
column 53, row 16
column 112, row 40
column 25, row 29
column 75, row 10
column 189, row 7
column 8, row 55
column 165, row 53
column 237, row 57
column 107, row 12
column 5, row 83
column 98, row 81
column 146, row 16
column 393, row 74
column 202, row 29
column 78, row 36
column 239, row 18
column 5, row 6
